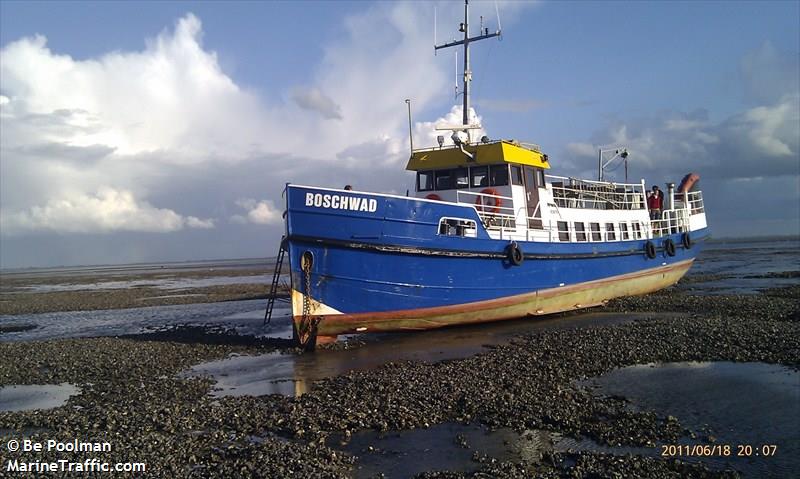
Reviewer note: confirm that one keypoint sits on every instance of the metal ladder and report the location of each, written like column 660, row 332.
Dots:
column 276, row 275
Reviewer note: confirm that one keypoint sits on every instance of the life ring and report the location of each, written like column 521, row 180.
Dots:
column 489, row 204
column 433, row 196
column 669, row 247
column 650, row 250
column 688, row 182
column 514, row 254
column 686, row 240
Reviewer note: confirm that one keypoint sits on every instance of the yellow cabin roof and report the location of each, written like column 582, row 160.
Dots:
column 483, row 153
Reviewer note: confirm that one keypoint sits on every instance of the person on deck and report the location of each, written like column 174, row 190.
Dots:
column 655, row 203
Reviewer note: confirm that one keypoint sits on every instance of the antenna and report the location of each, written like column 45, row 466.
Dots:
column 410, row 134
column 455, row 97
column 497, row 12
column 482, row 35
column 434, row 30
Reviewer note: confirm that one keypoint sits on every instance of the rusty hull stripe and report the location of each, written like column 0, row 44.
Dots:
column 547, row 301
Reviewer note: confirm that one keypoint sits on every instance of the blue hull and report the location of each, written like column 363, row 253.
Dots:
column 377, row 254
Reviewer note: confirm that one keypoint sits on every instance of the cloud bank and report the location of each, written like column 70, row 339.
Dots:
column 114, row 143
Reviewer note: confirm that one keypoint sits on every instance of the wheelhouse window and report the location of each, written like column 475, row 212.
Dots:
column 444, row 179
column 563, row 231
column 610, row 233
column 458, row 227
column 498, row 175
column 623, row 230
column 516, row 175
column 461, row 177
column 425, row 181
column 540, row 177
column 595, row 227
column 580, row 231
column 479, row 176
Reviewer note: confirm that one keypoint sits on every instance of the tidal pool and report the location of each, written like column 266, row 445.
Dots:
column 752, row 407
column 37, row 396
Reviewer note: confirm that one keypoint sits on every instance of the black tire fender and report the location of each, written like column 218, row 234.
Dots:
column 669, row 247
column 686, row 240
column 650, row 250
column 514, row 254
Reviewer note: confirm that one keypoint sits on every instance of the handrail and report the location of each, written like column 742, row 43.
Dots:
column 594, row 182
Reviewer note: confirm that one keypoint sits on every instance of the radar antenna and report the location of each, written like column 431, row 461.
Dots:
column 483, row 34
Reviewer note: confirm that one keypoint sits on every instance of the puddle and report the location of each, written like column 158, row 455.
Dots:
column 241, row 375
column 449, row 446
column 29, row 397
column 173, row 283
column 294, row 374
column 747, row 404
column 244, row 317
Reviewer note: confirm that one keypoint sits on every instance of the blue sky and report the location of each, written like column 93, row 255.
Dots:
column 148, row 131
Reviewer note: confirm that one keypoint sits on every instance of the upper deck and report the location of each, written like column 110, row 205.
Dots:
column 505, row 182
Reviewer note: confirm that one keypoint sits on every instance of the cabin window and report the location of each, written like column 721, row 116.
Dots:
column 563, row 231
column 637, row 230
column 595, row 227
column 479, row 176
column 461, row 177
column 516, row 175
column 424, row 181
column 623, row 230
column 580, row 231
column 610, row 234
column 458, row 227
column 498, row 175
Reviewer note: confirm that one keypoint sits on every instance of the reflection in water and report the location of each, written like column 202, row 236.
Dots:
column 37, row 396
column 448, row 446
column 293, row 374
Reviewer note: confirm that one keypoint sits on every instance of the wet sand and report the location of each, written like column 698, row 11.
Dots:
column 22, row 293
column 134, row 392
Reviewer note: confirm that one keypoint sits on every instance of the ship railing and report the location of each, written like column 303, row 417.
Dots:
column 671, row 222
column 600, row 195
column 496, row 211
column 691, row 200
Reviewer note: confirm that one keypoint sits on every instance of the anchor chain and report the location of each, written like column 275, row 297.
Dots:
column 308, row 325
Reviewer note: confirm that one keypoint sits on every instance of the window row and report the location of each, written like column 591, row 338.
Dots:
column 472, row 177
column 594, row 233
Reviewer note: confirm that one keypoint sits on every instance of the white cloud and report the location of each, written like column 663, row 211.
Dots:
column 582, row 149
column 425, row 133
column 195, row 222
column 259, row 212
column 152, row 123
column 141, row 121
column 107, row 211
column 761, row 140
column 314, row 100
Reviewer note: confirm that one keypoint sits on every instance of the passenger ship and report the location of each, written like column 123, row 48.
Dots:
column 488, row 235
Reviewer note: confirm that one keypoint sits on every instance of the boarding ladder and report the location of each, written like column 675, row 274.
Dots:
column 276, row 276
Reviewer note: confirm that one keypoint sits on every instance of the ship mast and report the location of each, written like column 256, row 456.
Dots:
column 483, row 34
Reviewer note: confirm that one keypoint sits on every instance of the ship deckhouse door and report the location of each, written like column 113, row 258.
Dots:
column 532, row 198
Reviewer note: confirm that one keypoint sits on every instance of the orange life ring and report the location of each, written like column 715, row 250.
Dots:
column 688, row 182
column 433, row 196
column 489, row 205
